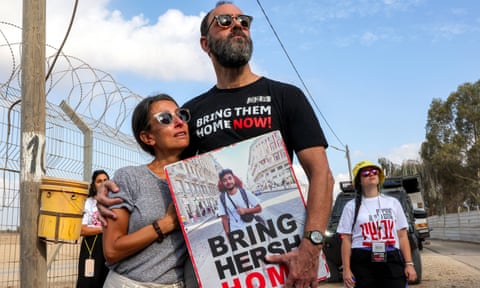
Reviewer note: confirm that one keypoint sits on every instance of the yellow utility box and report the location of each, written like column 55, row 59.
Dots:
column 61, row 209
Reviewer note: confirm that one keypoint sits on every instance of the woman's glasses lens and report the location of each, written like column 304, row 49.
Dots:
column 366, row 173
column 166, row 118
column 183, row 114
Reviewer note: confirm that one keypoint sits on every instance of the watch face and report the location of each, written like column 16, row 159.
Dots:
column 316, row 237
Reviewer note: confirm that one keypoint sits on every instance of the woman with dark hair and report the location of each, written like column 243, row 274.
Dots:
column 375, row 247
column 143, row 245
column 91, row 265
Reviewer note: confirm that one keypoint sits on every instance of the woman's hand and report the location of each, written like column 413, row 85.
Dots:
column 348, row 278
column 410, row 273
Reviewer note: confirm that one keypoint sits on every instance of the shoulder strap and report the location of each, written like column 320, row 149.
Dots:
column 222, row 198
column 244, row 196
column 231, row 201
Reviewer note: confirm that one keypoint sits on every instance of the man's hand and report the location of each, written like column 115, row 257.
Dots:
column 302, row 265
column 103, row 201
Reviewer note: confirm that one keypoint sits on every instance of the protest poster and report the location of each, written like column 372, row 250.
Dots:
column 235, row 259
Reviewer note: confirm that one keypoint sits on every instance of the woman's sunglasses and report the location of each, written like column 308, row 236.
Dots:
column 368, row 172
column 225, row 20
column 166, row 118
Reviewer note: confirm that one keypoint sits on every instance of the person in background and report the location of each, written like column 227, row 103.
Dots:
column 375, row 247
column 144, row 246
column 92, row 270
column 243, row 105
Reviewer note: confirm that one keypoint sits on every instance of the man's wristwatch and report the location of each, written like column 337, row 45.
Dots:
column 315, row 236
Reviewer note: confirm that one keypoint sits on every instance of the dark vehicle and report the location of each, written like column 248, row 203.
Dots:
column 332, row 241
column 395, row 187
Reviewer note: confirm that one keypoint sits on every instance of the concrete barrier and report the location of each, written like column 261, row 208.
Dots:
column 462, row 226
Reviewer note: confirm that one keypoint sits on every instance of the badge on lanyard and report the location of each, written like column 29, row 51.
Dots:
column 89, row 267
column 379, row 254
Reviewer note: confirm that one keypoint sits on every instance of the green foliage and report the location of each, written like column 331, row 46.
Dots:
column 451, row 151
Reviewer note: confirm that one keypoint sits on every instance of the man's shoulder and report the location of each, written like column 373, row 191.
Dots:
column 277, row 83
column 196, row 99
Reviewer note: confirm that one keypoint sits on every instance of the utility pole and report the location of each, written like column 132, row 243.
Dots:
column 347, row 154
column 33, row 252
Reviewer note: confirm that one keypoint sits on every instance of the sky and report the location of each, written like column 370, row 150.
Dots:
column 370, row 68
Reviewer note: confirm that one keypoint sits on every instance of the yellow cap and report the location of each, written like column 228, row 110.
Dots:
column 364, row 164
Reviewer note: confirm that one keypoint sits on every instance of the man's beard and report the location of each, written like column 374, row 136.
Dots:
column 231, row 53
column 230, row 187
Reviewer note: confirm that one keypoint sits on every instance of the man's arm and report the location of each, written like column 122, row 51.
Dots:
column 303, row 263
column 226, row 226
column 252, row 210
column 103, row 201
column 320, row 191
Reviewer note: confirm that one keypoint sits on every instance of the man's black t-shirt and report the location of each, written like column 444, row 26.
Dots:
column 221, row 117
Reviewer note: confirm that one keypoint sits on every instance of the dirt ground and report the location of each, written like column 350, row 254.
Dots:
column 439, row 272
column 62, row 261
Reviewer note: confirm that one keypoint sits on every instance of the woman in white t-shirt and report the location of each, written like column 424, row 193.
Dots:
column 375, row 247
column 92, row 270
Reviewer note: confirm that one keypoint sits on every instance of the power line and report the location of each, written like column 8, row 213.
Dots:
column 298, row 74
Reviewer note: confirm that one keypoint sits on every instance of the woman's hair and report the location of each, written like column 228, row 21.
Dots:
column 141, row 120
column 204, row 24
column 92, row 191
column 358, row 198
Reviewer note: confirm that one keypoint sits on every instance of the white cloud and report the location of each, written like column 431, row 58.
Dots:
column 165, row 49
column 339, row 178
column 397, row 155
column 303, row 181
column 404, row 152
column 300, row 174
column 450, row 30
column 368, row 38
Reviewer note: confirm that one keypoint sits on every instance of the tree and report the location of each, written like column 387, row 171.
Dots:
column 451, row 151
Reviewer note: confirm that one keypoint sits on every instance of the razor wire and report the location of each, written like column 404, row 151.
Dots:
column 102, row 104
column 89, row 91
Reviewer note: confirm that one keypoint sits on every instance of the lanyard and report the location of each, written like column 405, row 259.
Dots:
column 376, row 215
column 90, row 249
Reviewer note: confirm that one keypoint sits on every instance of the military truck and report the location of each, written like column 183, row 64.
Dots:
column 332, row 241
column 413, row 189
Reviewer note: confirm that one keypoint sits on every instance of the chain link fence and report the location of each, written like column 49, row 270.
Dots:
column 86, row 112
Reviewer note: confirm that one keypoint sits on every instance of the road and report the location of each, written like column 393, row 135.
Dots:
column 219, row 260
column 446, row 264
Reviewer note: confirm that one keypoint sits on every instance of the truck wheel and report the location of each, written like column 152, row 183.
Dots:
column 335, row 273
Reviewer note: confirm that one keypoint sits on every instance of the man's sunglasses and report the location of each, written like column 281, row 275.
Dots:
column 225, row 20
column 166, row 118
column 368, row 172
